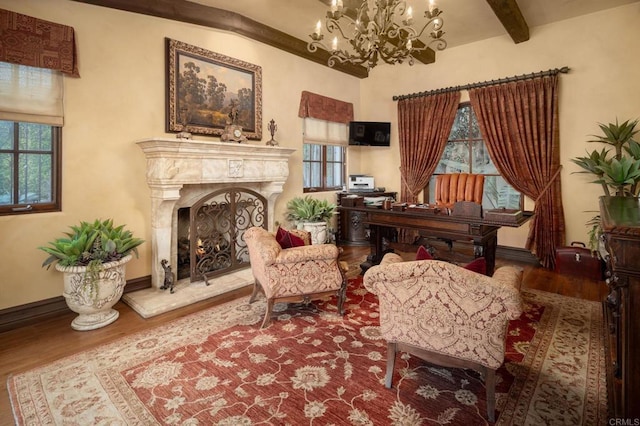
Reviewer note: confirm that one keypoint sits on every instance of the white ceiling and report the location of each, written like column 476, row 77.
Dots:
column 465, row 21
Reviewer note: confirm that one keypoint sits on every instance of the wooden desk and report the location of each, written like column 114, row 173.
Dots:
column 383, row 224
column 351, row 229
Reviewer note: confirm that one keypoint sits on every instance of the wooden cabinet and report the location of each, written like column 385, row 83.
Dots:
column 620, row 219
column 351, row 228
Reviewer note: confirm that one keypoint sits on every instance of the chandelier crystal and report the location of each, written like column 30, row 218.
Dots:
column 379, row 29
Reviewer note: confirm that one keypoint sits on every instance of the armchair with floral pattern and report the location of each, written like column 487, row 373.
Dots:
column 296, row 274
column 445, row 314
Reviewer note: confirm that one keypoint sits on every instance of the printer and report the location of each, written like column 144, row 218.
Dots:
column 361, row 183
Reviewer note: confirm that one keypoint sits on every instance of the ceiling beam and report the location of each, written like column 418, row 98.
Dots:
column 195, row 13
column 508, row 12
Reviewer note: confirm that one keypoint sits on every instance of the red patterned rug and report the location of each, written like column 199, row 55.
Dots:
column 314, row 367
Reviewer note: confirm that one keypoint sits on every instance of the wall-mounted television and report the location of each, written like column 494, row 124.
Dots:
column 369, row 133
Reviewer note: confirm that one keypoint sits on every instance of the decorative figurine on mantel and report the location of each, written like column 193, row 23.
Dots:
column 272, row 129
column 233, row 131
column 184, row 121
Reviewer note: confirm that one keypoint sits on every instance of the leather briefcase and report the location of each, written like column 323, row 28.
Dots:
column 577, row 260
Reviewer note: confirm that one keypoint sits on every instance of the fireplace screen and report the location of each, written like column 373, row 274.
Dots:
column 210, row 233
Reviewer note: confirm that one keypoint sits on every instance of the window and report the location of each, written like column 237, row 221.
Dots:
column 29, row 167
column 324, row 155
column 30, row 139
column 466, row 152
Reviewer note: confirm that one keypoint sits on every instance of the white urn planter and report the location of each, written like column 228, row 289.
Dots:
column 318, row 231
column 93, row 303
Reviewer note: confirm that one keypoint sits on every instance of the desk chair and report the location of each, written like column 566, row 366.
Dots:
column 454, row 187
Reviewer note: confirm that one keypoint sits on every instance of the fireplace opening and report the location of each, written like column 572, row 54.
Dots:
column 210, row 239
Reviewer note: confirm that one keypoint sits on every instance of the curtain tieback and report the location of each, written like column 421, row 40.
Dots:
column 548, row 185
column 404, row 180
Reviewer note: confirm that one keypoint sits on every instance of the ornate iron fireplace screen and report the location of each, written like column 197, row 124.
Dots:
column 210, row 233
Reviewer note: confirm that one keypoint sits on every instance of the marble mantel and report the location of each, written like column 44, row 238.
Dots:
column 181, row 171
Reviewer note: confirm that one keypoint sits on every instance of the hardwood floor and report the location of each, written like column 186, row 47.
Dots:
column 30, row 346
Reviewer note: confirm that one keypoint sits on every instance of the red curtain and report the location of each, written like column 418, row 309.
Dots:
column 325, row 108
column 25, row 40
column 424, row 125
column 519, row 124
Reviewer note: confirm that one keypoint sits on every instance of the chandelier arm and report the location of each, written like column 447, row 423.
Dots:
column 343, row 56
column 436, row 27
column 333, row 25
column 440, row 44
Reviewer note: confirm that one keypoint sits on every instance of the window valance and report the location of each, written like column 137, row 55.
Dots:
column 26, row 40
column 325, row 108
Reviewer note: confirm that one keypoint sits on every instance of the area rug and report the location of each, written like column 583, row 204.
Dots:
column 312, row 366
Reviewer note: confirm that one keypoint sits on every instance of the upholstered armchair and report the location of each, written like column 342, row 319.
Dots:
column 454, row 187
column 445, row 314
column 296, row 274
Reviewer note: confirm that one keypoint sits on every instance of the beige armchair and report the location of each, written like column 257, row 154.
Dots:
column 445, row 314
column 297, row 274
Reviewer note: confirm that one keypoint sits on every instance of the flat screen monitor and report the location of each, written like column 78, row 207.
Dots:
column 369, row 133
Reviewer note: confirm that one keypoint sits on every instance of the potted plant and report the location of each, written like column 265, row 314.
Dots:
column 92, row 257
column 312, row 215
column 618, row 173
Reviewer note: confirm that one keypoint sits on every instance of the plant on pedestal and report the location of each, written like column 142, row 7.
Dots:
column 618, row 174
column 92, row 257
column 312, row 215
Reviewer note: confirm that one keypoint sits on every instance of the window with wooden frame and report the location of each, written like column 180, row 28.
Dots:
column 30, row 139
column 466, row 152
column 324, row 155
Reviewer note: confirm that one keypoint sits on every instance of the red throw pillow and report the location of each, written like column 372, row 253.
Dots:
column 287, row 240
column 478, row 265
column 423, row 254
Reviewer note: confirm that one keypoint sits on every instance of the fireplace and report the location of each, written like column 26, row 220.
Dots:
column 219, row 181
column 210, row 239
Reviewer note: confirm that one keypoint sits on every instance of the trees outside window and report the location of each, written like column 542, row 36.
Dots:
column 466, row 152
column 29, row 168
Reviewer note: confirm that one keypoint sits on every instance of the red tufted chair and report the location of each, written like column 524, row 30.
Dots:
column 454, row 187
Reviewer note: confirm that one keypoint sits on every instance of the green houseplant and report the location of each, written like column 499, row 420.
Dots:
column 92, row 257
column 308, row 209
column 312, row 215
column 619, row 172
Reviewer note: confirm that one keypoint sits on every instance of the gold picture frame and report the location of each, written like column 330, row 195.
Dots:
column 203, row 87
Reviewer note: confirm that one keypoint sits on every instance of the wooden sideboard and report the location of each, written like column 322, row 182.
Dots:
column 351, row 228
column 620, row 219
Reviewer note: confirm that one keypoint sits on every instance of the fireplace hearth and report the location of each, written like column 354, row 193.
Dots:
column 214, row 184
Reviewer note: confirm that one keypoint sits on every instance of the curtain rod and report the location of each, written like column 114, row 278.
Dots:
column 555, row 71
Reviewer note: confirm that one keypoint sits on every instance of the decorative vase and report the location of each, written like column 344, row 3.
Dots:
column 93, row 303
column 318, row 231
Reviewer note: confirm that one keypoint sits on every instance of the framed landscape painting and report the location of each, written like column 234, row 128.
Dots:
column 204, row 88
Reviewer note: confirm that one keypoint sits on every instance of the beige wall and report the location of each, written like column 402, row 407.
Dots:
column 604, row 84
column 120, row 98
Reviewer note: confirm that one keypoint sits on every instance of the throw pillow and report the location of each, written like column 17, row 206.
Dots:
column 478, row 265
column 423, row 254
column 287, row 240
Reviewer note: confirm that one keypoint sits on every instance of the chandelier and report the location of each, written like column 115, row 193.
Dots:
column 379, row 29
